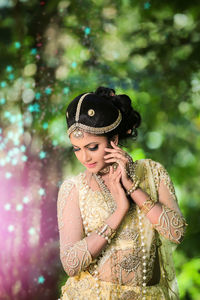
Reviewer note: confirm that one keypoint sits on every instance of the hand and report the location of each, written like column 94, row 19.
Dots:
column 117, row 190
column 116, row 154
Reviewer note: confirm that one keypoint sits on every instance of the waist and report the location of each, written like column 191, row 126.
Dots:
column 85, row 284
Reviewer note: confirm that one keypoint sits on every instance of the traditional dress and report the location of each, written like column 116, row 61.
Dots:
column 137, row 264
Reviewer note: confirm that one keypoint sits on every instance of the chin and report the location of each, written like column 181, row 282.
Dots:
column 96, row 169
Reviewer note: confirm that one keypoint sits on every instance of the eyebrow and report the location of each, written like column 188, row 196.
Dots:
column 86, row 145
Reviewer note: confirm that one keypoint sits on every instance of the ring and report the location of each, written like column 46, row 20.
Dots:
column 115, row 165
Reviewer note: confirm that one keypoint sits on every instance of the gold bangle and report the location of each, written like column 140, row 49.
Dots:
column 147, row 206
column 106, row 232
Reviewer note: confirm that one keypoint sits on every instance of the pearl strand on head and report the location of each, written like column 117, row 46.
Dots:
column 144, row 256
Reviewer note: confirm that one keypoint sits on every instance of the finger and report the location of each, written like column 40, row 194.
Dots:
column 114, row 173
column 117, row 177
column 111, row 170
column 121, row 165
column 113, row 145
column 116, row 160
column 111, row 173
column 111, row 160
column 113, row 153
column 117, row 156
column 112, row 150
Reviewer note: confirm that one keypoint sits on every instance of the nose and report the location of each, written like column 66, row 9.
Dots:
column 86, row 156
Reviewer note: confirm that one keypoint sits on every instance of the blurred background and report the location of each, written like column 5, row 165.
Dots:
column 51, row 51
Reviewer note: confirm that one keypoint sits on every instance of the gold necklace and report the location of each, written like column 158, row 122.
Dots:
column 105, row 192
column 107, row 169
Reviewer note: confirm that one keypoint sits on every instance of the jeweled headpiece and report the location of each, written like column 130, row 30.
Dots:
column 92, row 113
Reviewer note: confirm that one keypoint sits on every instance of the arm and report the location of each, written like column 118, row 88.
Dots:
column 76, row 250
column 165, row 215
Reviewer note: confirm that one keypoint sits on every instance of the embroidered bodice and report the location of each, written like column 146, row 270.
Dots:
column 122, row 260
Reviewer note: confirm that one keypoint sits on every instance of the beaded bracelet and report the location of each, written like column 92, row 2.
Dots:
column 133, row 188
column 106, row 232
column 147, row 206
column 130, row 169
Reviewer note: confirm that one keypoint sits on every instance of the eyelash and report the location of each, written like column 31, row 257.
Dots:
column 91, row 149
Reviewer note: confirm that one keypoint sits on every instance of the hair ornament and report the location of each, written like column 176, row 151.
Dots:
column 77, row 133
column 91, row 112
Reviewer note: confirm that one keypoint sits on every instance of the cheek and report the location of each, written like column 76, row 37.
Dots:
column 101, row 153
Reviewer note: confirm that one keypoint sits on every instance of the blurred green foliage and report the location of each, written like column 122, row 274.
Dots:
column 53, row 50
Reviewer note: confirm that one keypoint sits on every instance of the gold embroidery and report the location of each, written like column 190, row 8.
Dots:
column 147, row 206
column 130, row 263
column 76, row 258
column 171, row 224
column 128, row 234
column 63, row 194
column 159, row 174
column 129, row 295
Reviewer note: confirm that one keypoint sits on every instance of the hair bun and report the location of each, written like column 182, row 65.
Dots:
column 123, row 102
column 131, row 119
column 104, row 91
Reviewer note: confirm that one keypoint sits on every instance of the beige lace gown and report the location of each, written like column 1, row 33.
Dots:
column 137, row 264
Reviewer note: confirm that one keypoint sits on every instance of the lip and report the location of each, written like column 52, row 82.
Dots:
column 90, row 165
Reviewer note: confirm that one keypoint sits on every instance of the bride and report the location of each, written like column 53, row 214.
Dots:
column 119, row 220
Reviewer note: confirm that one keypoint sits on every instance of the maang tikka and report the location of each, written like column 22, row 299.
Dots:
column 78, row 133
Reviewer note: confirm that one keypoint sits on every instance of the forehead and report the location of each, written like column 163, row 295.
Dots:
column 87, row 139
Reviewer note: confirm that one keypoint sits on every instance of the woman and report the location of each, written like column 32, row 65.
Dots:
column 119, row 220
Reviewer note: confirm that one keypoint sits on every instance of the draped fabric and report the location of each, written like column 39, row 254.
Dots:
column 120, row 266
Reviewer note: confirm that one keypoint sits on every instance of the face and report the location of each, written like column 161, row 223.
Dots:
column 89, row 150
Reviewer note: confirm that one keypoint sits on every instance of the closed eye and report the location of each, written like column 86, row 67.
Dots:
column 89, row 148
column 93, row 148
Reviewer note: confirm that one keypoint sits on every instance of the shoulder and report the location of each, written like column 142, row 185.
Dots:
column 149, row 163
column 153, row 168
column 155, row 172
column 69, row 183
column 67, row 191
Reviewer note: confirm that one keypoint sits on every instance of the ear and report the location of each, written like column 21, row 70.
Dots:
column 115, row 139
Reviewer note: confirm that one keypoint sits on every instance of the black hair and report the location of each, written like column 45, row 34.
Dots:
column 131, row 119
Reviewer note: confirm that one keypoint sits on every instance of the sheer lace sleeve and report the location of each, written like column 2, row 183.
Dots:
column 171, row 224
column 74, row 253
